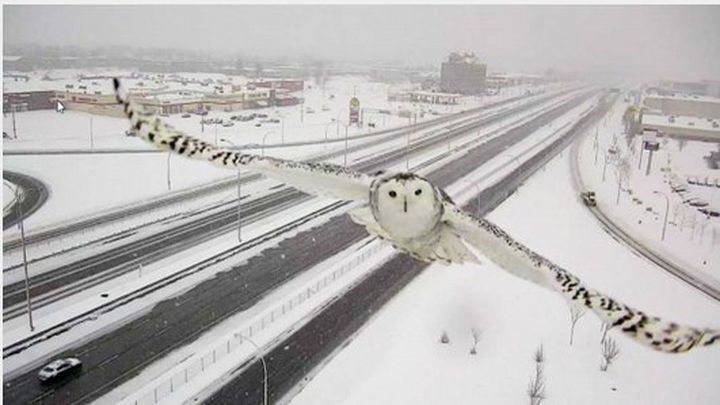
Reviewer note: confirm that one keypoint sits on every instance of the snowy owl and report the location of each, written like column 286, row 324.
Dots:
column 421, row 220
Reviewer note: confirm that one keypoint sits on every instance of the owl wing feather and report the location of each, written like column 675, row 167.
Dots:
column 314, row 178
column 519, row 260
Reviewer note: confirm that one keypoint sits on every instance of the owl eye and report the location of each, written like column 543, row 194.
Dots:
column 392, row 193
column 418, row 192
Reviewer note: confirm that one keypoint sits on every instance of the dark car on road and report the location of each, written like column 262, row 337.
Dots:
column 60, row 369
column 588, row 198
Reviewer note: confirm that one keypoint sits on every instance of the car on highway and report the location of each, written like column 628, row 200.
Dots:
column 186, row 115
column 588, row 198
column 60, row 369
column 679, row 188
column 711, row 212
column 227, row 124
column 696, row 202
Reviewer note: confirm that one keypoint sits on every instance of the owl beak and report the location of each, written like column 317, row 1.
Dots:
column 405, row 204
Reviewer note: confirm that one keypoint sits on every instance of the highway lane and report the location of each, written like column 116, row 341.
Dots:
column 33, row 195
column 219, row 186
column 122, row 353
column 292, row 361
column 51, row 286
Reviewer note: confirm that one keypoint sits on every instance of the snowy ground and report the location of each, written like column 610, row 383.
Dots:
column 397, row 357
column 692, row 239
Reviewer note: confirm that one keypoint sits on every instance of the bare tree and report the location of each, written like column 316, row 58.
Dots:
column 610, row 351
column 444, row 339
column 476, row 338
column 576, row 312
column 604, row 330
column 536, row 387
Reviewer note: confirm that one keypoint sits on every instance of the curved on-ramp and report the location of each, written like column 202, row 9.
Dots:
column 701, row 282
column 32, row 195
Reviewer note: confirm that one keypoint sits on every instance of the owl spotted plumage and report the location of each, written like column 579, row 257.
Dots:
column 419, row 219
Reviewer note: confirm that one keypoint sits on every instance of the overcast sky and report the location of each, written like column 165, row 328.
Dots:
column 669, row 41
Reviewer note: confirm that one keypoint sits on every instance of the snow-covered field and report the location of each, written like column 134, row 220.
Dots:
column 398, row 358
column 692, row 238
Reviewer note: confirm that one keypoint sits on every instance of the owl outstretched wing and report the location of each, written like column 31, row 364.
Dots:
column 314, row 178
column 519, row 260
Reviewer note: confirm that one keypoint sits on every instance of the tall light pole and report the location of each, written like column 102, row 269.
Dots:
column 326, row 127
column 282, row 131
column 239, row 195
column 667, row 208
column 346, row 144
column 18, row 203
column 14, row 107
column 262, row 359
column 168, row 171
column 262, row 150
column 407, row 152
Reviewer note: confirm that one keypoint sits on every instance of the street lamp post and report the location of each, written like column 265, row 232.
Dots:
column 18, row 203
column 346, row 144
column 239, row 195
column 667, row 208
column 407, row 152
column 168, row 171
column 262, row 149
column 91, row 132
column 326, row 128
column 262, row 359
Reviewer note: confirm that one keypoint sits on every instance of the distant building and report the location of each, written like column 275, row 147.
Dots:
column 462, row 74
column 28, row 101
column 290, row 85
column 698, row 106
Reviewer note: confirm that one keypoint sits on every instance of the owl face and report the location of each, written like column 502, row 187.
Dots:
column 406, row 205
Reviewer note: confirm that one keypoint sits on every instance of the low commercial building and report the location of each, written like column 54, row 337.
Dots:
column 434, row 97
column 290, row 85
column 28, row 101
column 692, row 105
column 685, row 127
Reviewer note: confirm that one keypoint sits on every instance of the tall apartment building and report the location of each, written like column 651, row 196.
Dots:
column 462, row 74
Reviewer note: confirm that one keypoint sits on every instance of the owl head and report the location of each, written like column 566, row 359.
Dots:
column 405, row 204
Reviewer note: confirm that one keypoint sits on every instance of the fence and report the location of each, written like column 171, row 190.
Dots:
column 168, row 386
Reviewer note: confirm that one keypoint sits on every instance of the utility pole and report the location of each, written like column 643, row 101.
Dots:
column 649, row 164
column 667, row 208
column 19, row 199
column 168, row 171
column 346, row 144
column 14, row 107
